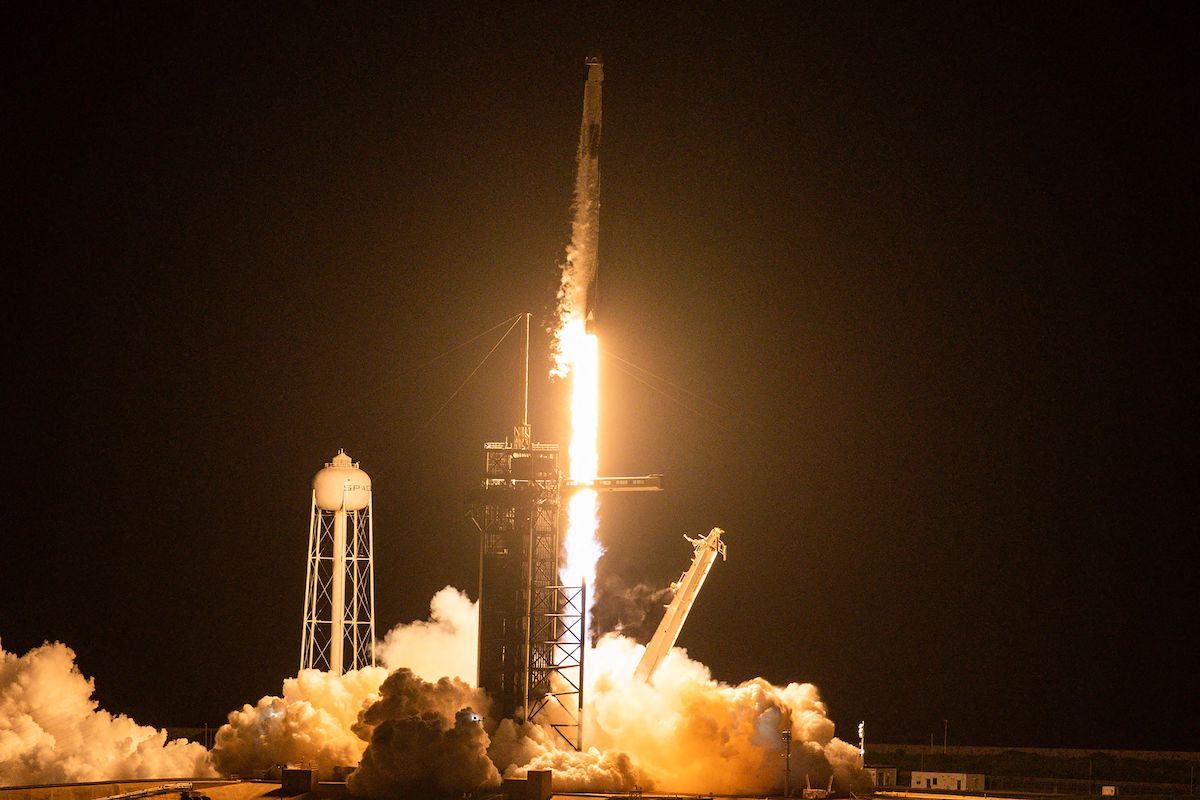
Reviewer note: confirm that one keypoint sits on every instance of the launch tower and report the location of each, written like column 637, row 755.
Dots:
column 339, row 596
column 531, row 637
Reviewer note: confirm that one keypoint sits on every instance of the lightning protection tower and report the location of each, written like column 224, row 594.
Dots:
column 339, row 595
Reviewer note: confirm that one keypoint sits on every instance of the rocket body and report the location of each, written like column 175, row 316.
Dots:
column 589, row 132
column 578, row 296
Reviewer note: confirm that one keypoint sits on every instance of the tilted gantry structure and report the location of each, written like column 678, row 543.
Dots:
column 684, row 593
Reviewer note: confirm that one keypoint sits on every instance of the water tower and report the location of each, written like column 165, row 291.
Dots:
column 339, row 594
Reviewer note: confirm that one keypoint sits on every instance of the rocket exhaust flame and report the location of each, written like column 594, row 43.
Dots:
column 582, row 547
column 577, row 349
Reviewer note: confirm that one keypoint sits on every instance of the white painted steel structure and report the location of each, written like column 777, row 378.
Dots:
column 339, row 595
column 686, row 589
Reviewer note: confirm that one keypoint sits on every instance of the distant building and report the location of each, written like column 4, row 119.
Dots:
column 534, row 786
column 881, row 776
column 948, row 781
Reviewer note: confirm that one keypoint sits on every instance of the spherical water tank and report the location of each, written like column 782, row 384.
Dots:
column 342, row 485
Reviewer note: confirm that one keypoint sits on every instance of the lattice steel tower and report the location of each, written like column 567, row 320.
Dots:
column 339, row 596
column 531, row 637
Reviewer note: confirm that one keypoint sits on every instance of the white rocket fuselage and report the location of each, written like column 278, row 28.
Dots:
column 584, row 254
column 589, row 132
column 707, row 550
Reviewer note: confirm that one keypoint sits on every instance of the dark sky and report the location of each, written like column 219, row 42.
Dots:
column 920, row 270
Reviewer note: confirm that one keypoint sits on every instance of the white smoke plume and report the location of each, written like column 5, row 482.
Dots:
column 691, row 733
column 426, row 740
column 518, row 748
column 52, row 731
column 685, row 733
column 313, row 721
column 419, row 732
column 588, row 770
column 445, row 646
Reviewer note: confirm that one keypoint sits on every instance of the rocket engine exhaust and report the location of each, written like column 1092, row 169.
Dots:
column 576, row 348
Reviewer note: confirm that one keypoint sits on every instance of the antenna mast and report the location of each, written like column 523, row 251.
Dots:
column 522, row 435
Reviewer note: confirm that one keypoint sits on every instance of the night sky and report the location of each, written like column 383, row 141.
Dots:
column 903, row 287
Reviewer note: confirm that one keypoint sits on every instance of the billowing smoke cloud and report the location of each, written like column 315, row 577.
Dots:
column 426, row 740
column 685, row 733
column 519, row 748
column 52, row 731
column 419, row 733
column 632, row 611
column 445, row 646
column 690, row 733
column 313, row 721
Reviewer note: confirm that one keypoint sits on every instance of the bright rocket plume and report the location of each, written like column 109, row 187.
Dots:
column 576, row 349
column 581, row 545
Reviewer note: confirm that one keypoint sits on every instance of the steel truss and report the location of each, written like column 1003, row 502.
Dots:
column 557, row 678
column 531, row 639
column 358, row 603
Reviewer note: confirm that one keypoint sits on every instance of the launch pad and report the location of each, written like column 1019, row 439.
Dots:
column 533, row 625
